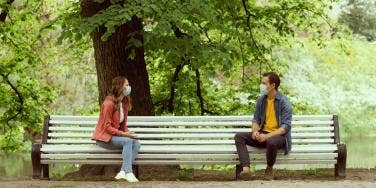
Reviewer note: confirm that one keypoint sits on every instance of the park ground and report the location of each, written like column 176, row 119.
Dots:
column 204, row 178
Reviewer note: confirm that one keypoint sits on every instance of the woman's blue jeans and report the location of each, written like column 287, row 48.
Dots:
column 129, row 146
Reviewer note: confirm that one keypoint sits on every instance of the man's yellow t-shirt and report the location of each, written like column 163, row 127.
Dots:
column 270, row 120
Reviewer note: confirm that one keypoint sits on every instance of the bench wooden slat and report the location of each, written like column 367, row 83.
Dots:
column 197, row 135
column 186, row 123
column 172, row 142
column 189, row 156
column 181, row 162
column 191, row 118
column 191, row 130
column 183, row 149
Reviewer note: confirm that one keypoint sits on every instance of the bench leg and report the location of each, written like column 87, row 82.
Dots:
column 135, row 170
column 239, row 168
column 340, row 167
column 46, row 172
column 35, row 160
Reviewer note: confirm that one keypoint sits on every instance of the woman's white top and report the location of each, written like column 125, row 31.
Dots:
column 121, row 113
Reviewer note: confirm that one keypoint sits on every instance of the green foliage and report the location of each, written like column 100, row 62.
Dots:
column 182, row 173
column 313, row 172
column 15, row 164
column 228, row 42
column 335, row 79
column 219, row 42
column 46, row 52
column 33, row 71
column 360, row 17
column 24, row 96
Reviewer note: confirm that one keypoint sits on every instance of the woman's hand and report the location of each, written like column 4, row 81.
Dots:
column 129, row 134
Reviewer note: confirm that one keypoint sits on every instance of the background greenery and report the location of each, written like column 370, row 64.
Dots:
column 327, row 64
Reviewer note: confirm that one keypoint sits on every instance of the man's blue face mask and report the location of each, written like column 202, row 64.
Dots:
column 263, row 89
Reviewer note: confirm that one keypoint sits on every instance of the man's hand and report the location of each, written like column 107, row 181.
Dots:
column 129, row 134
column 262, row 138
column 255, row 135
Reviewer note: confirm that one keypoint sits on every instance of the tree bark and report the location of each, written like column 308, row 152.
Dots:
column 4, row 13
column 112, row 58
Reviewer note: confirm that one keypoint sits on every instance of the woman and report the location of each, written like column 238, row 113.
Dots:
column 112, row 132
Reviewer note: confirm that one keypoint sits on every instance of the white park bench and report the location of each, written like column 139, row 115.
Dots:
column 186, row 140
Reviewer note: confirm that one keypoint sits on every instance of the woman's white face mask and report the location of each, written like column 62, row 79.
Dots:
column 127, row 91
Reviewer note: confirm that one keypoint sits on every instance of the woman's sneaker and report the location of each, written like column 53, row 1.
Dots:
column 127, row 176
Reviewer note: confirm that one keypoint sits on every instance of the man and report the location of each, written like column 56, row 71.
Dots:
column 271, row 126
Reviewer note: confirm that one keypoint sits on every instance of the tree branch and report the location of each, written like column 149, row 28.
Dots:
column 200, row 97
column 160, row 102
column 4, row 13
column 249, row 14
column 20, row 98
column 174, row 79
column 178, row 34
column 198, row 91
column 240, row 45
column 205, row 32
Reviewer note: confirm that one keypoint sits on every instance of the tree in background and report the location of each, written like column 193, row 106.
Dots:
column 193, row 41
column 188, row 57
column 34, row 70
column 24, row 97
column 360, row 17
column 116, row 55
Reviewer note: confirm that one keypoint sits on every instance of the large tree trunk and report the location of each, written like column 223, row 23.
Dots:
column 112, row 59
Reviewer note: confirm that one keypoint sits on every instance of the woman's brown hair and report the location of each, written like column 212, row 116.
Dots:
column 117, row 89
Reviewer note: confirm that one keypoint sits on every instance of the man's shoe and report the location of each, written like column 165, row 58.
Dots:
column 269, row 175
column 269, row 170
column 242, row 172
column 244, row 175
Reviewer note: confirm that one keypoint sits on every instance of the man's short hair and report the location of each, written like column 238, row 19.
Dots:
column 273, row 78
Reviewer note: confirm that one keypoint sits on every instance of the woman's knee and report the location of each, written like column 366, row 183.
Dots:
column 136, row 143
column 122, row 140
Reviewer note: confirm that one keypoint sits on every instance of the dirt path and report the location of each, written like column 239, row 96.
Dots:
column 212, row 179
column 195, row 184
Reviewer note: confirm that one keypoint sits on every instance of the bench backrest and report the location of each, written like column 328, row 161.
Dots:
column 186, row 140
column 306, row 129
